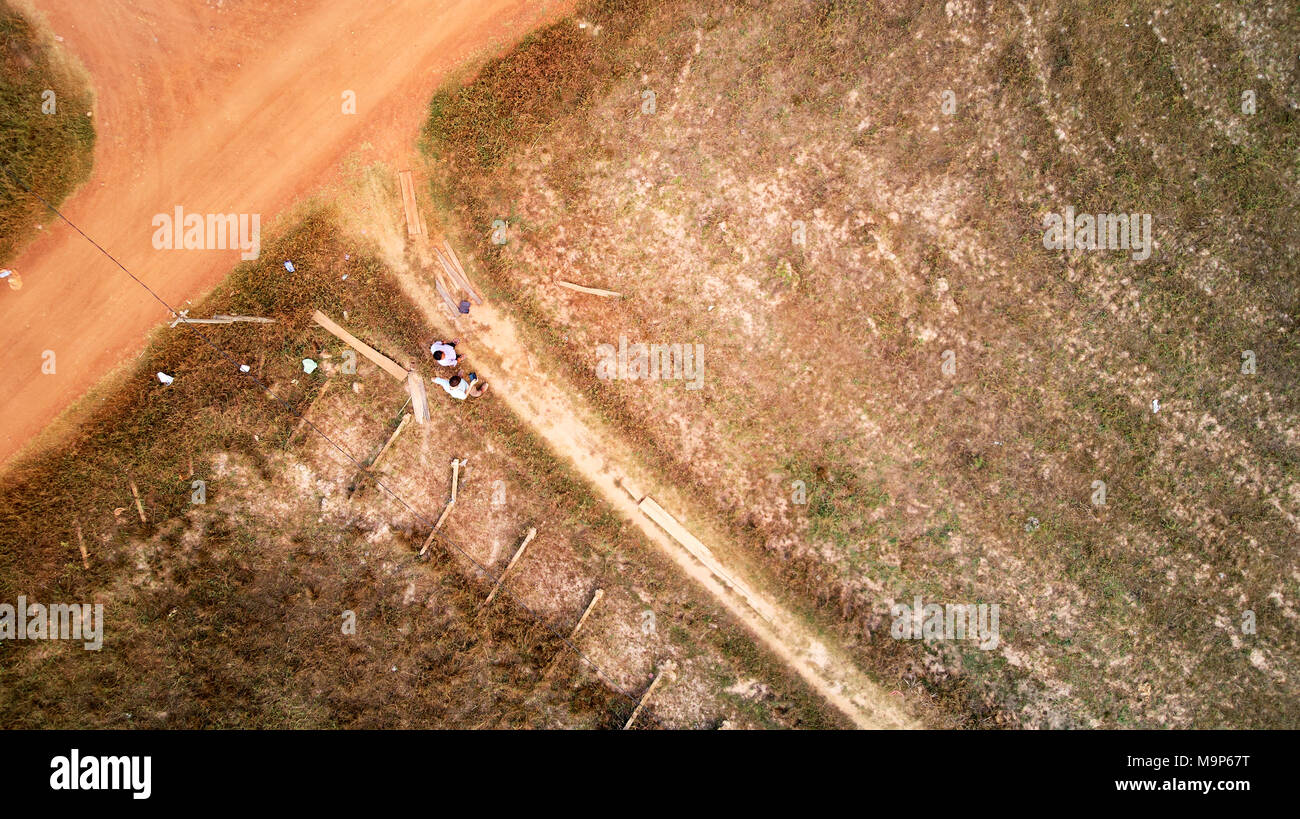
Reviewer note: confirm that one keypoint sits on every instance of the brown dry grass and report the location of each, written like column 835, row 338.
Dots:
column 924, row 235
column 228, row 614
column 48, row 153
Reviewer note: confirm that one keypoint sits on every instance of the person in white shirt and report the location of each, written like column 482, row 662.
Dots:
column 444, row 352
column 456, row 386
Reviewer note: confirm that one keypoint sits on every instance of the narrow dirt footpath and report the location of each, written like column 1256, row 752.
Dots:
column 568, row 424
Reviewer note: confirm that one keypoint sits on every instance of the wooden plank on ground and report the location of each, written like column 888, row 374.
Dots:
column 447, row 266
column 464, row 277
column 631, row 488
column 409, row 203
column 385, row 363
column 419, row 397
column 446, row 297
column 692, row 544
column 457, row 275
column 595, row 291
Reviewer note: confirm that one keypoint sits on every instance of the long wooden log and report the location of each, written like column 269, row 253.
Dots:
column 385, row 363
column 532, row 532
column 595, row 291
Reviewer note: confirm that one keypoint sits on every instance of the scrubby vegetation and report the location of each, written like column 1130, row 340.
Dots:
column 228, row 612
column 46, row 132
column 838, row 204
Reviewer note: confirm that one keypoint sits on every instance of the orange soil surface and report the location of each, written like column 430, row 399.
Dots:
column 218, row 106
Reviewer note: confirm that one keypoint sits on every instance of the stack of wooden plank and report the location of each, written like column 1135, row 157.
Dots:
column 455, row 275
column 449, row 277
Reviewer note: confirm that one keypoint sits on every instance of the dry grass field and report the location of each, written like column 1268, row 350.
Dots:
column 230, row 612
column 845, row 205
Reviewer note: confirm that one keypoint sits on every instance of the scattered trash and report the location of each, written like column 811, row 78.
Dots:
column 1155, row 404
column 464, row 307
column 165, row 378
column 1031, row 525
column 15, row 281
column 243, row 368
column 345, row 277
column 288, row 265
column 308, row 366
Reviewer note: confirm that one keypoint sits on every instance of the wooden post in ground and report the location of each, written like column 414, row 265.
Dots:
column 446, row 510
column 532, row 533
column 406, row 419
column 455, row 475
column 429, row 540
column 595, row 598
column 139, row 507
column 219, row 319
column 81, row 544
column 302, row 422
column 665, row 671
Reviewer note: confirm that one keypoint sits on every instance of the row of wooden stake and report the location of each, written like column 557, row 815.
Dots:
column 667, row 671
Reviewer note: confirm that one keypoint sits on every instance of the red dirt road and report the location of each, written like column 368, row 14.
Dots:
column 218, row 106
